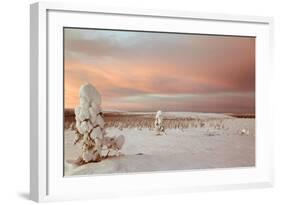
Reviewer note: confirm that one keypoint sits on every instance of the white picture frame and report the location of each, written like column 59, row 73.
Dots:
column 46, row 162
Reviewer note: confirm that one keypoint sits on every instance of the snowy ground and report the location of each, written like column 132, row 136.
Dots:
column 179, row 149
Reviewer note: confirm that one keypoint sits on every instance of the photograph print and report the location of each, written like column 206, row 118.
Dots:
column 147, row 101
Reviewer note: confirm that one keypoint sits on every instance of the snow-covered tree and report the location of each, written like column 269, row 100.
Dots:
column 90, row 127
column 159, row 128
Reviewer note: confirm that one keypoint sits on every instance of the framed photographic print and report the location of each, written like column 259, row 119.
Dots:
column 147, row 101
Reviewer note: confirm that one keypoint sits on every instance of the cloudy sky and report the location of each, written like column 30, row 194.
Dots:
column 145, row 71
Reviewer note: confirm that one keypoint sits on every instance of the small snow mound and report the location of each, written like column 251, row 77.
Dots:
column 244, row 132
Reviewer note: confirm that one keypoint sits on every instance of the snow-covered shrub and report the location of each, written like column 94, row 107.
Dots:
column 90, row 126
column 244, row 132
column 159, row 128
column 113, row 144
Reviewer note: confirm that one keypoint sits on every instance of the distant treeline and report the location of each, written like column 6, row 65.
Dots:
column 70, row 116
column 119, row 120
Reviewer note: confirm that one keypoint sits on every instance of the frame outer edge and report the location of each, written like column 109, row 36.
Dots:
column 38, row 103
column 272, row 74
column 96, row 8
column 38, row 78
column 34, row 59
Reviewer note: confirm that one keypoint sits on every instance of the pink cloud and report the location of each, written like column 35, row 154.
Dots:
column 200, row 65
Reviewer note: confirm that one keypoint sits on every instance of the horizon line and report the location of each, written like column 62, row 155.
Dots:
column 250, row 113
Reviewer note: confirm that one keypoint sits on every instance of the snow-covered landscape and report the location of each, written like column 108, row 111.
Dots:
column 140, row 101
column 189, row 141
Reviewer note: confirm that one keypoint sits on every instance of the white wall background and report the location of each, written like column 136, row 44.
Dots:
column 14, row 103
